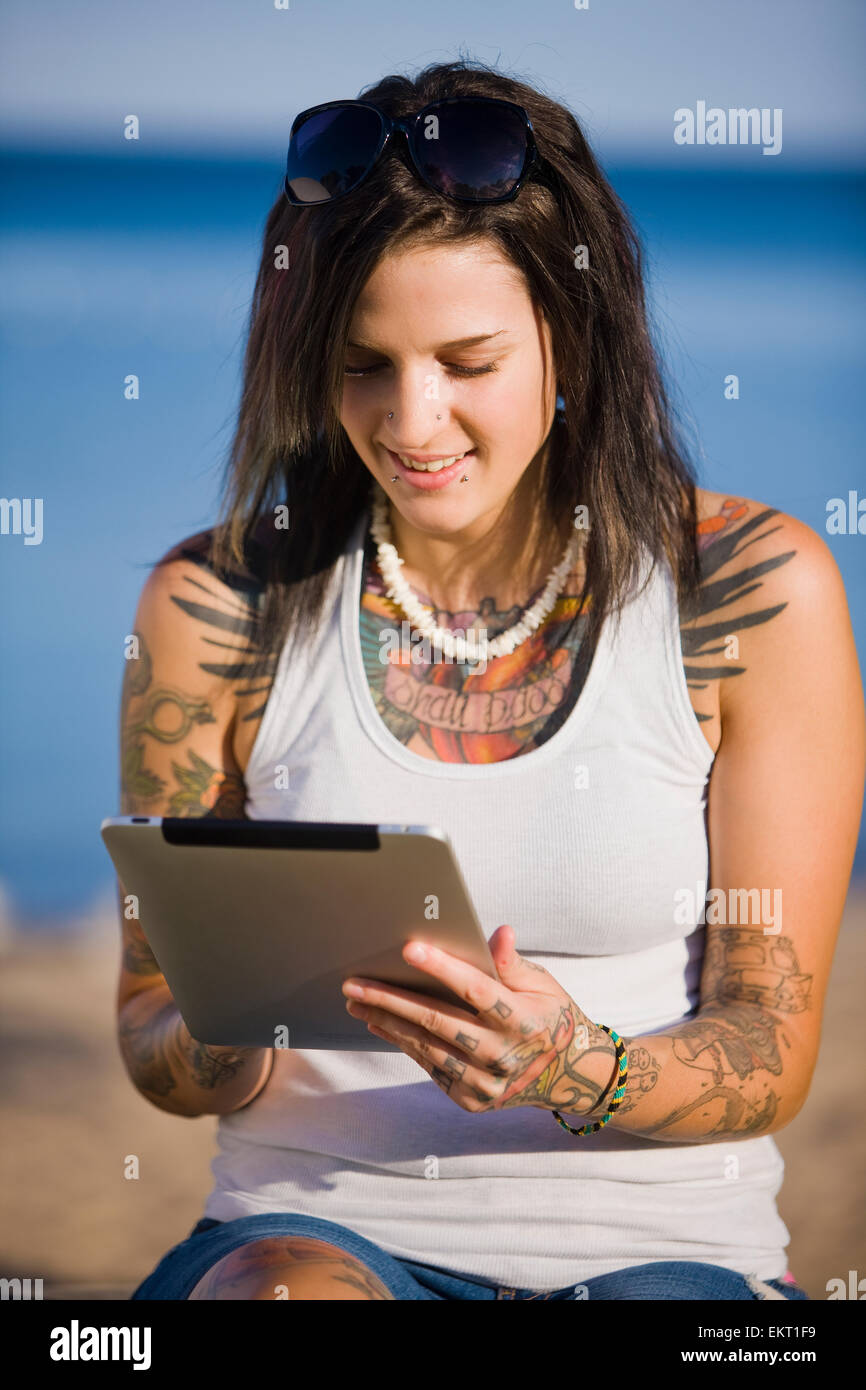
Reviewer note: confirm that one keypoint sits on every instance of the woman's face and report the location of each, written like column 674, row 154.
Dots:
column 406, row 354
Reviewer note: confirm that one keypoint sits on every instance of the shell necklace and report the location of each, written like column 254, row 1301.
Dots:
column 457, row 648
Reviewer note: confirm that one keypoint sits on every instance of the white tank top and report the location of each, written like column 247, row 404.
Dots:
column 580, row 845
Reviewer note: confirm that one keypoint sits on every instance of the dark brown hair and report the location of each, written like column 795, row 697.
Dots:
column 615, row 448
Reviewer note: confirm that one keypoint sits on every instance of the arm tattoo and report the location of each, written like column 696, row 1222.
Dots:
column 163, row 1059
column 236, row 616
column 644, row 1071
column 167, row 716
column 721, row 541
column 205, row 789
column 137, row 783
column 737, row 1047
column 733, row 1052
column 726, row 1065
column 138, row 958
column 161, row 1055
column 143, row 1050
column 742, row 964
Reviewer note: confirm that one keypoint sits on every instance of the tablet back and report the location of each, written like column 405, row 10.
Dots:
column 255, row 924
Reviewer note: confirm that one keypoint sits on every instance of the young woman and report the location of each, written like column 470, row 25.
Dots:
column 675, row 707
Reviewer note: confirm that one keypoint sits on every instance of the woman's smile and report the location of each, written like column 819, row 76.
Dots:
column 432, row 478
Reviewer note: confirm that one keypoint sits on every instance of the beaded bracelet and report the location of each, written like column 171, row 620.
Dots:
column 621, row 1074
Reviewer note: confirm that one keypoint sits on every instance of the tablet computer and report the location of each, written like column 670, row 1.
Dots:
column 255, row 924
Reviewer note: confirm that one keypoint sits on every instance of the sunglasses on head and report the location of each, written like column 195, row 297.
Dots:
column 470, row 149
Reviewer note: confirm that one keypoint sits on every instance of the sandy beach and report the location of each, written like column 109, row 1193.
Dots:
column 70, row 1119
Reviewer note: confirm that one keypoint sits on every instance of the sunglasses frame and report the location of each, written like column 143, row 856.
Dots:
column 396, row 136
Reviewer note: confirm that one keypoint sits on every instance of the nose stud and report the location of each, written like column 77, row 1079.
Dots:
column 396, row 477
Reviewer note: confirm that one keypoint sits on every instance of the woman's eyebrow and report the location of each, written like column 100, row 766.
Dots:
column 443, row 347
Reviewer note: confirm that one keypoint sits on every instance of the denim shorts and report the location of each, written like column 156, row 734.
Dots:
column 179, row 1271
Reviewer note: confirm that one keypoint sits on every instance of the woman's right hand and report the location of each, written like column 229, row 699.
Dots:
column 179, row 712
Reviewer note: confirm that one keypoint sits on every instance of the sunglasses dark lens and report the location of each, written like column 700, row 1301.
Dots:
column 331, row 151
column 471, row 149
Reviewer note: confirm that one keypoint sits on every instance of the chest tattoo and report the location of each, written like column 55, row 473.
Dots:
column 460, row 712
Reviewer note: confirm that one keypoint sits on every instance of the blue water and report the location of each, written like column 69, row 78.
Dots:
column 128, row 265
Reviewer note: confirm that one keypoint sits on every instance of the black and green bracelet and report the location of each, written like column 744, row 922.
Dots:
column 620, row 1077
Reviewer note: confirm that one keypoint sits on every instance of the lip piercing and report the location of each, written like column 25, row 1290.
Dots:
column 396, row 477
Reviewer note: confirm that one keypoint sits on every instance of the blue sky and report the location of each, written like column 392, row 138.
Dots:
column 139, row 264
column 228, row 75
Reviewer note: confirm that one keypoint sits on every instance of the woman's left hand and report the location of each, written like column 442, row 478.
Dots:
column 528, row 1044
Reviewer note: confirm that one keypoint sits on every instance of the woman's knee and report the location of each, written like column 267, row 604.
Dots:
column 287, row 1267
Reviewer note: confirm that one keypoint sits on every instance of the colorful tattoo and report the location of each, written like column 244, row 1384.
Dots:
column 204, row 788
column 451, row 713
column 237, row 615
column 722, row 540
